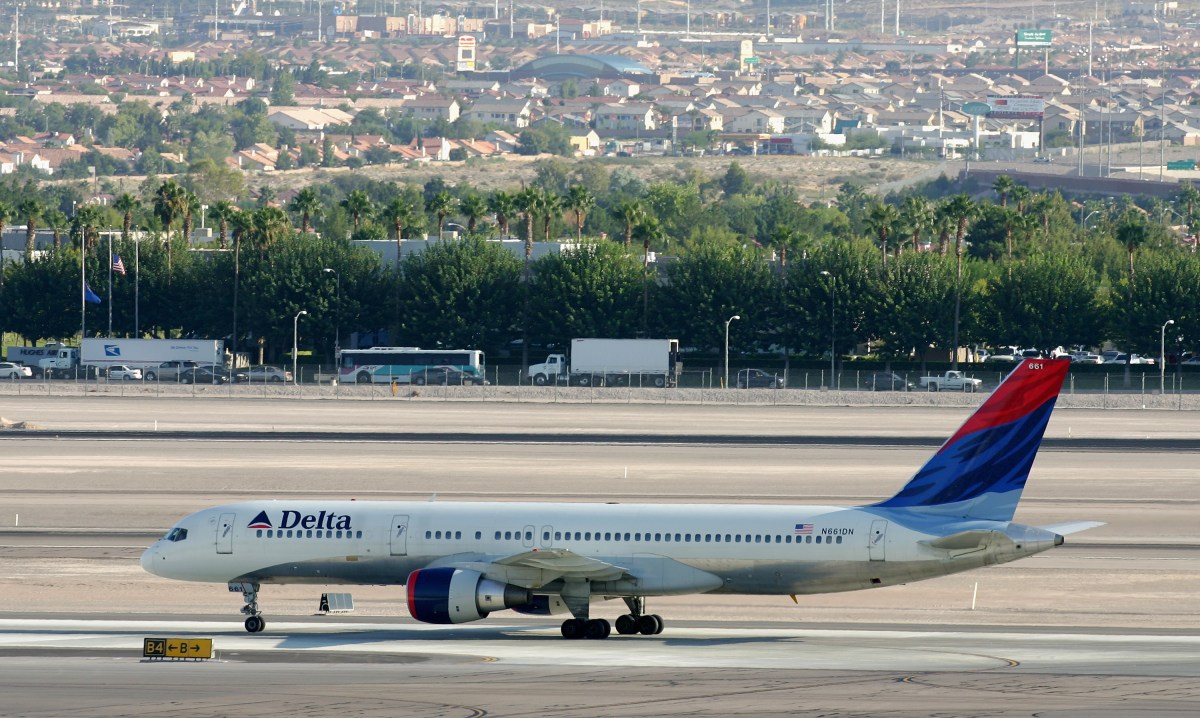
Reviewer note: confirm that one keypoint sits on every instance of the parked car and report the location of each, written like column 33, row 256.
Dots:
column 1192, row 361
column 208, row 374
column 1132, row 359
column 886, row 381
column 758, row 379
column 1086, row 358
column 12, row 370
column 121, row 372
column 262, row 374
column 446, row 376
column 169, row 370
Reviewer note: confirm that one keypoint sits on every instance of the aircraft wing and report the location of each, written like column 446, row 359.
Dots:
column 534, row 569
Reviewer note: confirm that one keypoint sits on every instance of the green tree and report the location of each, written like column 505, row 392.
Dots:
column 882, row 220
column 629, row 213
column 307, row 204
column 1132, row 233
column 31, row 209
column 222, row 212
column 1050, row 299
column 579, row 201
column 460, row 294
column 916, row 214
column 735, row 180
column 473, row 207
column 126, row 204
column 441, row 205
column 914, row 308
column 503, row 205
column 1003, row 186
column 592, row 291
column 358, row 203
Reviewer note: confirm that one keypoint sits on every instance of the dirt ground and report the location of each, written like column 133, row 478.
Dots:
column 815, row 177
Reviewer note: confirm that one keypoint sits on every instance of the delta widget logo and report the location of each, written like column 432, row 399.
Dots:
column 295, row 519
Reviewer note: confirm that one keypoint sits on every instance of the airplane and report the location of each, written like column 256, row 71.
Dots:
column 462, row 561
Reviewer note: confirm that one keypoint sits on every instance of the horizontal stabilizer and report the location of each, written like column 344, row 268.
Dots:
column 1071, row 527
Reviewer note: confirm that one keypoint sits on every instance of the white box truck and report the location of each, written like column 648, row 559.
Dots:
column 612, row 362
column 150, row 354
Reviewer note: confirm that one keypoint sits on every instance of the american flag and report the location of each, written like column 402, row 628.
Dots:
column 804, row 529
column 118, row 265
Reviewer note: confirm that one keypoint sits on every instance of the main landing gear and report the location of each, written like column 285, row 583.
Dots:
column 634, row 622
column 249, row 591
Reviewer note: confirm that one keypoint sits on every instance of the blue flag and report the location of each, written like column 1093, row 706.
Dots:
column 90, row 296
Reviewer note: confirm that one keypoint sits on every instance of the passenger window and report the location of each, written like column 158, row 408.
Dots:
column 457, row 535
column 717, row 537
column 577, row 535
column 478, row 535
column 737, row 538
column 818, row 539
column 627, row 536
column 726, row 538
column 587, row 536
column 437, row 535
column 787, row 539
column 637, row 536
column 667, row 538
column 508, row 535
column 259, row 533
column 839, row 539
column 428, row 534
column 497, row 535
column 545, row 536
column 687, row 538
column 339, row 534
column 707, row 538
column 676, row 538
column 658, row 537
column 617, row 536
column 358, row 534
column 808, row 539
column 528, row 535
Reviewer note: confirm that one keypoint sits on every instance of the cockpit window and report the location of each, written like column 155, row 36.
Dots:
column 176, row 534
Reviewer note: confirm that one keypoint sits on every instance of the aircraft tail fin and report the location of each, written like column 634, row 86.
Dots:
column 981, row 470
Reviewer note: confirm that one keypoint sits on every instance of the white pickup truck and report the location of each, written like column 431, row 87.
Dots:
column 950, row 381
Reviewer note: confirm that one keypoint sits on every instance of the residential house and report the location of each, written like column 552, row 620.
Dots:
column 753, row 120
column 629, row 117
column 309, row 119
column 510, row 113
column 432, row 108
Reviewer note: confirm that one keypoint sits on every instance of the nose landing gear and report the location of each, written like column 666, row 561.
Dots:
column 249, row 591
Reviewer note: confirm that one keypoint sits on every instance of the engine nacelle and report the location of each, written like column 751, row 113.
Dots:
column 543, row 605
column 452, row 595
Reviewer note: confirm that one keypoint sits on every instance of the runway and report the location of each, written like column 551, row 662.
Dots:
column 1103, row 626
column 349, row 667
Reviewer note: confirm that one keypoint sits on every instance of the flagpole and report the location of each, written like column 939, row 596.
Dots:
column 82, row 289
column 137, row 282
column 110, row 263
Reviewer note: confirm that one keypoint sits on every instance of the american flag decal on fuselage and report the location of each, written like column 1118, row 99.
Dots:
column 804, row 529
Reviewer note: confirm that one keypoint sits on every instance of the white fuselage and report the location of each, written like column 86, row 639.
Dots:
column 663, row 549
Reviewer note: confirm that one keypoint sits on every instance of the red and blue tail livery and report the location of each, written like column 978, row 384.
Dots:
column 980, row 471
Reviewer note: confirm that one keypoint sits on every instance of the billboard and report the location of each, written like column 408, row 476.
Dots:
column 1033, row 38
column 1019, row 107
column 466, row 54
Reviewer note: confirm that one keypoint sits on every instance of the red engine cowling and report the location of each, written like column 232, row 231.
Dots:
column 453, row 595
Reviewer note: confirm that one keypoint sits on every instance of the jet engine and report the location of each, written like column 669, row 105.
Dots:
column 452, row 595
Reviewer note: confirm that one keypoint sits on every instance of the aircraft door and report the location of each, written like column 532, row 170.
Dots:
column 527, row 537
column 547, row 536
column 399, row 535
column 878, row 540
column 225, row 534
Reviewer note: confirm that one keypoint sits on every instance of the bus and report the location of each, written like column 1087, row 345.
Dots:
column 410, row 365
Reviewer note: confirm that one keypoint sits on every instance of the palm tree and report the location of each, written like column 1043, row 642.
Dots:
column 86, row 225
column 359, row 205
column 881, row 219
column 917, row 214
column 1003, row 186
column 1189, row 198
column 222, row 212
column 549, row 206
column 168, row 204
column 963, row 210
column 1021, row 195
column 526, row 202
column 1132, row 233
column 30, row 208
column 503, row 205
column 269, row 226
column 630, row 212
column 5, row 215
column 308, row 205
column 441, row 205
column 57, row 222
column 191, row 206
column 579, row 201
column 126, row 204
column 473, row 207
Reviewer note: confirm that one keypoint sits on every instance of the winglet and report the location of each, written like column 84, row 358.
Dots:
column 981, row 470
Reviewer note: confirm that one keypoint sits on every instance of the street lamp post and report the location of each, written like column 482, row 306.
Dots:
column 832, row 330
column 728, row 384
column 295, row 341
column 1162, row 356
column 456, row 224
column 337, row 337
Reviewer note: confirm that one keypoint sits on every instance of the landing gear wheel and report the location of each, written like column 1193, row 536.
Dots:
column 573, row 628
column 627, row 625
column 650, row 625
column 255, row 624
column 597, row 629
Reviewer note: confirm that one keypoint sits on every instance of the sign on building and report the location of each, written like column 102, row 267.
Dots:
column 466, row 53
column 1020, row 107
column 1033, row 38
